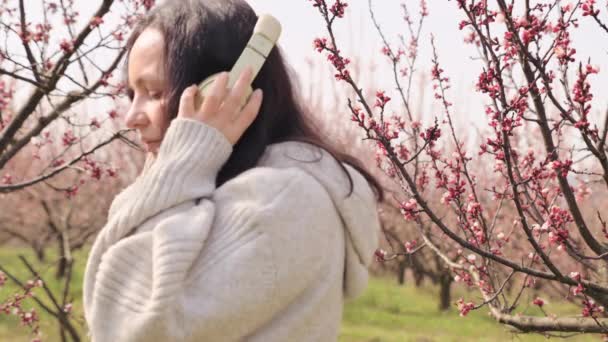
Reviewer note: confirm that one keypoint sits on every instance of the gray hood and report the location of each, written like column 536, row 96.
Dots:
column 357, row 211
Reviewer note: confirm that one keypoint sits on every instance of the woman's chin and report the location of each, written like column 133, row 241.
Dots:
column 152, row 147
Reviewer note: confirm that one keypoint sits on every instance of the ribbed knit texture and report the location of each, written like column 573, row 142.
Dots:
column 268, row 256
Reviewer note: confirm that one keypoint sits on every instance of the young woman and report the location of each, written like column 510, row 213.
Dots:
column 243, row 224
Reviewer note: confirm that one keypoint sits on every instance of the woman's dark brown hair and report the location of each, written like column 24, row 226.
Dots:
column 204, row 37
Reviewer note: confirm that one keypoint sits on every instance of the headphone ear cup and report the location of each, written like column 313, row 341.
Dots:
column 205, row 86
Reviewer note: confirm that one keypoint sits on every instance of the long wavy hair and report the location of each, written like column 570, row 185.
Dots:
column 204, row 37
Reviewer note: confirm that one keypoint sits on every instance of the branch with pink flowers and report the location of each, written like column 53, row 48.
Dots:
column 59, row 310
column 57, row 78
column 60, row 166
column 504, row 204
column 52, row 66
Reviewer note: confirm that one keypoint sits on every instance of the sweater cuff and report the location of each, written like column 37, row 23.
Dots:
column 186, row 167
column 193, row 141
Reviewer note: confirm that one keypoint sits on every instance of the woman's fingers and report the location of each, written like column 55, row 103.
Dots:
column 228, row 110
column 214, row 98
column 237, row 96
column 250, row 110
column 186, row 102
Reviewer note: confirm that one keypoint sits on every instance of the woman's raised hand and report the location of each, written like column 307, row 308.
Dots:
column 221, row 107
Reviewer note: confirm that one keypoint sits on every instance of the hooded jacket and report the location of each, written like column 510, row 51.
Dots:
column 270, row 255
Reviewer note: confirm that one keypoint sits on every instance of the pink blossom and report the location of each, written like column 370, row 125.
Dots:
column 71, row 191
column 66, row 46
column 95, row 123
column 381, row 99
column 337, row 8
column 589, row 9
column 69, row 138
column 318, row 3
column 380, row 255
column 95, row 22
column 410, row 246
column 409, row 209
column 464, row 308
column 578, row 289
column 423, row 8
column 576, row 276
column 29, row 317
column 111, row 172
column 148, row 4
column 118, row 35
column 320, row 44
column 57, row 162
column 530, row 282
column 431, row 134
column 562, row 167
column 591, row 309
column 474, row 209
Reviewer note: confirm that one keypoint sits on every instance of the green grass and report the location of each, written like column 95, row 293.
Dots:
column 385, row 313
column 10, row 327
column 390, row 313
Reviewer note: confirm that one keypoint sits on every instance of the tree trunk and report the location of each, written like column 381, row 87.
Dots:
column 445, row 298
column 63, row 262
column 39, row 250
column 417, row 270
column 418, row 278
column 401, row 272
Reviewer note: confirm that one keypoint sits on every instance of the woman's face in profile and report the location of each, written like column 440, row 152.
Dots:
column 146, row 86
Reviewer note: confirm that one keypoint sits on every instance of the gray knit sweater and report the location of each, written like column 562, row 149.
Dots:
column 268, row 256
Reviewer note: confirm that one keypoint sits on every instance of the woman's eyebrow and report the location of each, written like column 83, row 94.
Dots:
column 148, row 79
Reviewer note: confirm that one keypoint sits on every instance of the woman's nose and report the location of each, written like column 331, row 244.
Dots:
column 136, row 118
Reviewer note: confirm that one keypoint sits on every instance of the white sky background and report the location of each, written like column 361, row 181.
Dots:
column 302, row 23
column 358, row 38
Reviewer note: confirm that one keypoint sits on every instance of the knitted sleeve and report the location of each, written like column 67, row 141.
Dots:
column 220, row 270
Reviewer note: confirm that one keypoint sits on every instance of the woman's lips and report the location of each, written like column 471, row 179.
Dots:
column 151, row 145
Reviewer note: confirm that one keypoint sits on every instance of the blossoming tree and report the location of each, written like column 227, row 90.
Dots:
column 56, row 74
column 510, row 217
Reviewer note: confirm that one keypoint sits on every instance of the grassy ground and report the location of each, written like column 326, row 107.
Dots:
column 385, row 313
column 389, row 313
column 10, row 327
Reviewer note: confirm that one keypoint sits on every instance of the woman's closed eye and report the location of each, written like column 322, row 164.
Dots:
column 156, row 95
column 153, row 94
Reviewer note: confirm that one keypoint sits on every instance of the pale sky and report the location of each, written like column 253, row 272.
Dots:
column 358, row 38
column 302, row 23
